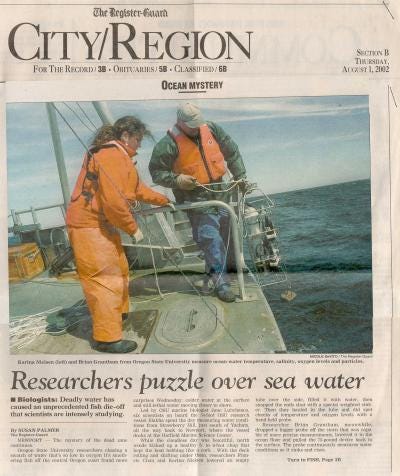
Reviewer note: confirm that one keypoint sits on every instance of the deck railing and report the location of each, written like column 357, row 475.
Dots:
column 35, row 226
column 19, row 227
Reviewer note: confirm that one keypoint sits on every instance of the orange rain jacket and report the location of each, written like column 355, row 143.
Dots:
column 106, row 185
column 207, row 167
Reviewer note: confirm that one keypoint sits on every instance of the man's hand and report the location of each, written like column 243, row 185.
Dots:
column 137, row 236
column 186, row 182
column 245, row 186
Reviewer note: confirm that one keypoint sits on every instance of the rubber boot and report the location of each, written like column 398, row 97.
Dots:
column 118, row 347
column 225, row 293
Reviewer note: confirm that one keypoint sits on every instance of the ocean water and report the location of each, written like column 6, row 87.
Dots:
column 325, row 243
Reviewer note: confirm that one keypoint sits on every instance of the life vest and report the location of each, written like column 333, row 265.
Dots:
column 106, row 188
column 205, row 163
column 86, row 184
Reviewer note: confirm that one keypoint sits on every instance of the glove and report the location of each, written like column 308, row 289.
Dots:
column 186, row 182
column 137, row 236
column 245, row 186
column 171, row 206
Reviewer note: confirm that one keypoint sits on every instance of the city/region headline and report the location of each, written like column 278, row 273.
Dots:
column 121, row 40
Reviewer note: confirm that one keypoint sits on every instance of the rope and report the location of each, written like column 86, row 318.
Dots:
column 152, row 258
column 47, row 283
column 86, row 115
column 70, row 128
column 77, row 116
column 23, row 331
column 231, row 187
column 39, row 314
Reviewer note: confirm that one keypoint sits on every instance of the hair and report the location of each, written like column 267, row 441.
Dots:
column 130, row 124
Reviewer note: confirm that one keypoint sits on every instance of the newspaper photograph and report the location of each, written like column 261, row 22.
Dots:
column 200, row 270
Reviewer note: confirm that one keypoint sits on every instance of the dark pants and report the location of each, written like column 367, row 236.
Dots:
column 211, row 233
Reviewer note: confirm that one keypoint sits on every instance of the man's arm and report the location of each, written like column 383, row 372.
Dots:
column 230, row 151
column 162, row 161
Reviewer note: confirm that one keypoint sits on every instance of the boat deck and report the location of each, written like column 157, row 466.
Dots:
column 180, row 320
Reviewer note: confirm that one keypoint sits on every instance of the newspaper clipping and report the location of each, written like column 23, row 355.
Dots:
column 201, row 267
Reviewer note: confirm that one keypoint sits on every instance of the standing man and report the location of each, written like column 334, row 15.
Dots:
column 193, row 153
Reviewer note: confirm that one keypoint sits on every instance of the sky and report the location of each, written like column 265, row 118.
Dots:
column 287, row 143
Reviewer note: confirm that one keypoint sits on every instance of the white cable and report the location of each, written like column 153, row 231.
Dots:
column 39, row 314
column 234, row 184
column 152, row 257
column 160, row 298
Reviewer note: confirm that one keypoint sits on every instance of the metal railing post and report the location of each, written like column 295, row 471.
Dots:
column 36, row 222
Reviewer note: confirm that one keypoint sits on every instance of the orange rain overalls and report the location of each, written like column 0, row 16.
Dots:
column 106, row 184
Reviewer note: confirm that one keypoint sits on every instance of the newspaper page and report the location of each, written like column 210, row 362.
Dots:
column 245, row 154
